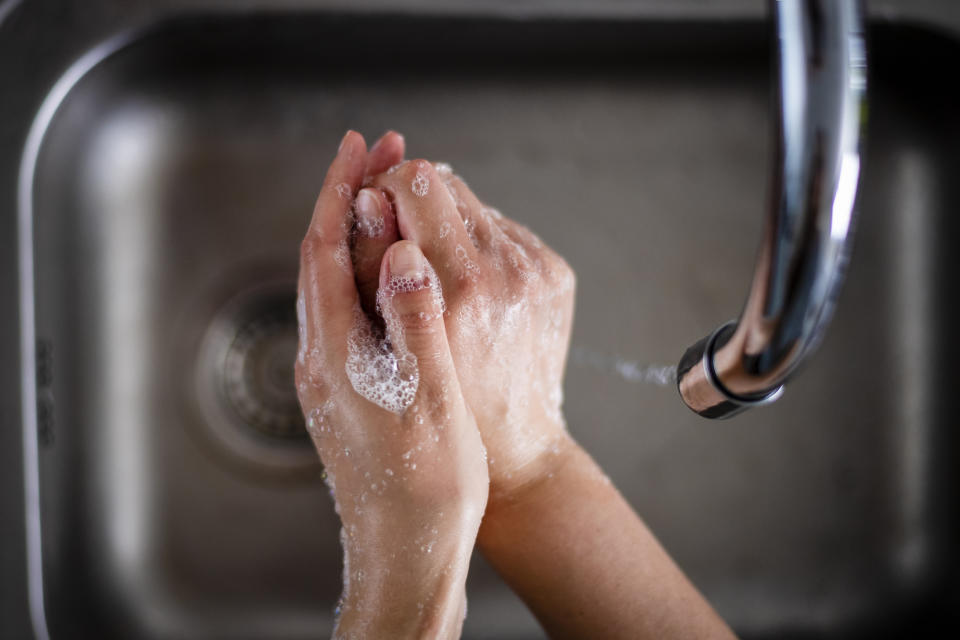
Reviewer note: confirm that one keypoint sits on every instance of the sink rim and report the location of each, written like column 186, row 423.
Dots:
column 27, row 306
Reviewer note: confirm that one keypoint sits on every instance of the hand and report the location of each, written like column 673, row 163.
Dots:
column 509, row 312
column 571, row 547
column 402, row 452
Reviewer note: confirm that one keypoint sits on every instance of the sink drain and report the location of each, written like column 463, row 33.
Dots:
column 257, row 370
column 245, row 383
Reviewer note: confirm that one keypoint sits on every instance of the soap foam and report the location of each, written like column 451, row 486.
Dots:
column 381, row 371
column 471, row 269
column 371, row 227
column 379, row 365
column 471, row 226
column 341, row 256
column 344, row 191
column 420, row 185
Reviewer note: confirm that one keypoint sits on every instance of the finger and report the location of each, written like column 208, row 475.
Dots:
column 385, row 153
column 376, row 229
column 474, row 214
column 326, row 283
column 330, row 213
column 412, row 305
column 520, row 234
column 427, row 215
column 528, row 254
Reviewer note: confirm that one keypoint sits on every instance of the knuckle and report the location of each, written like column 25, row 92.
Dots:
column 417, row 309
column 311, row 246
column 420, row 165
column 435, row 403
column 561, row 273
column 520, row 261
column 527, row 282
column 403, row 172
column 557, row 264
column 457, row 183
column 422, row 320
column 467, row 287
column 571, row 277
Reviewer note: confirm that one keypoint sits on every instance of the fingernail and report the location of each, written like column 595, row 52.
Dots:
column 369, row 218
column 379, row 142
column 343, row 140
column 406, row 261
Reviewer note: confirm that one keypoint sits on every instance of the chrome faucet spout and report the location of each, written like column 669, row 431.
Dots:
column 809, row 230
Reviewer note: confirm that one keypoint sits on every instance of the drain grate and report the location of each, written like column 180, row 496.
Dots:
column 245, row 383
column 257, row 371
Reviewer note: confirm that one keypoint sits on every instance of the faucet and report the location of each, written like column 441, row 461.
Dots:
column 806, row 244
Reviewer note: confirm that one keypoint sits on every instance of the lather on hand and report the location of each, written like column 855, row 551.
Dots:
column 410, row 485
column 493, row 350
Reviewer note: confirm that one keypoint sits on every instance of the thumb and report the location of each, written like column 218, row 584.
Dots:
column 412, row 306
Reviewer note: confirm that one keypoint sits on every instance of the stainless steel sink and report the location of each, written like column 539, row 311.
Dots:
column 170, row 180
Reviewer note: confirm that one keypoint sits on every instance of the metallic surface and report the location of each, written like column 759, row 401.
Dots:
column 168, row 186
column 806, row 245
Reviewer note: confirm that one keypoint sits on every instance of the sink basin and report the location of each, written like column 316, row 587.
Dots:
column 178, row 495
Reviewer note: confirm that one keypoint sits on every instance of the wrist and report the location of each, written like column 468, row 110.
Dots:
column 510, row 484
column 405, row 578
column 539, row 484
column 410, row 593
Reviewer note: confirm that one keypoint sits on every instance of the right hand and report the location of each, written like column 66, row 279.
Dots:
column 509, row 315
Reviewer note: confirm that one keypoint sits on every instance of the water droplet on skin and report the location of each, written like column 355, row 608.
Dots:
column 371, row 227
column 470, row 267
column 471, row 226
column 341, row 256
column 344, row 191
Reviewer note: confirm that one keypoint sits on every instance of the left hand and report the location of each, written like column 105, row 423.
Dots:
column 401, row 449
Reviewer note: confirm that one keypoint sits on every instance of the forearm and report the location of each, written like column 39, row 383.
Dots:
column 405, row 577
column 413, row 594
column 584, row 562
